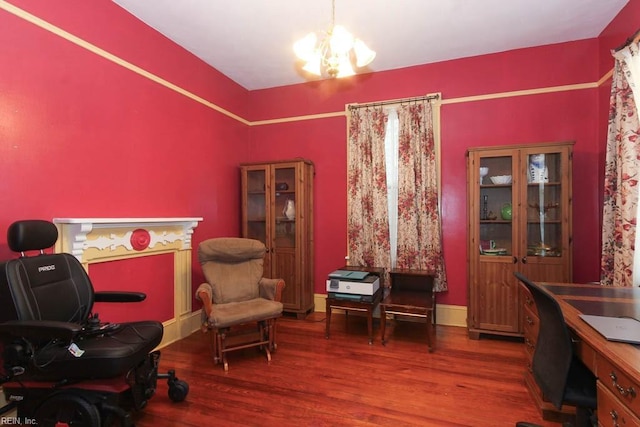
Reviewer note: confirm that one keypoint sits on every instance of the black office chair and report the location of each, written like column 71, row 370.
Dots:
column 61, row 364
column 559, row 373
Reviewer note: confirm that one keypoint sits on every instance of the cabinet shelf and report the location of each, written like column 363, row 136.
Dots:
column 283, row 219
column 546, row 184
column 483, row 186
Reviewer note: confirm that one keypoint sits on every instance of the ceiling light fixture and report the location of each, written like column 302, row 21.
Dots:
column 334, row 53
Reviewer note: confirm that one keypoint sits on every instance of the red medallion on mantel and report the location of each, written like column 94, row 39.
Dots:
column 140, row 239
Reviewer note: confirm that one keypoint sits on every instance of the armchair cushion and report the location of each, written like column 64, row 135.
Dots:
column 235, row 313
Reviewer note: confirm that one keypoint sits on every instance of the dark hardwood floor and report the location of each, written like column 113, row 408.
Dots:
column 344, row 381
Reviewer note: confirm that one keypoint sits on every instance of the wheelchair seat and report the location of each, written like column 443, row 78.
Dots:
column 55, row 350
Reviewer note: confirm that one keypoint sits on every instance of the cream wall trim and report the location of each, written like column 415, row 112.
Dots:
column 113, row 58
column 605, row 78
column 447, row 315
column 526, row 92
column 94, row 240
column 299, row 118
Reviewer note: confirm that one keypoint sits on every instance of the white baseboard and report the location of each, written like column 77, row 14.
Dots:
column 175, row 330
column 448, row 315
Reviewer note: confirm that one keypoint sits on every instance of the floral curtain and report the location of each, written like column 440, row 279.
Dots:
column 419, row 236
column 368, row 224
column 419, row 230
column 622, row 175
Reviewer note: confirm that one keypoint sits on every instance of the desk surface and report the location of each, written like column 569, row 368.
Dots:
column 577, row 299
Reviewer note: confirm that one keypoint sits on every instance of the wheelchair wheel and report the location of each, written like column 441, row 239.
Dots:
column 67, row 409
column 178, row 390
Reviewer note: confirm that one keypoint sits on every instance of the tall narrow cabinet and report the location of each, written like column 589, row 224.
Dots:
column 519, row 219
column 277, row 209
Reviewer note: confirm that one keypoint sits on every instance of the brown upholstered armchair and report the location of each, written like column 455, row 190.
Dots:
column 240, row 307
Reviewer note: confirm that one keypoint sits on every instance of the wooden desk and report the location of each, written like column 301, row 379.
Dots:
column 411, row 294
column 616, row 365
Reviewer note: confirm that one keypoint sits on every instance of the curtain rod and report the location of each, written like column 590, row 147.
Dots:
column 633, row 39
column 394, row 101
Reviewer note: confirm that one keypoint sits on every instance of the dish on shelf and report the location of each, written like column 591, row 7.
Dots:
column 496, row 251
column 501, row 179
column 542, row 250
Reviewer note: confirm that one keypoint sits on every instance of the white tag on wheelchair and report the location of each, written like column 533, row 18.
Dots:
column 75, row 350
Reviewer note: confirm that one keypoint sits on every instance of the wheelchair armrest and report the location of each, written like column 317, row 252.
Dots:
column 117, row 296
column 40, row 329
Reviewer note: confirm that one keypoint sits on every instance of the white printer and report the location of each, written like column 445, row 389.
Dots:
column 352, row 282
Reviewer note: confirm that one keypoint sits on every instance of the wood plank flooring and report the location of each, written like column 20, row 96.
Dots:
column 344, row 381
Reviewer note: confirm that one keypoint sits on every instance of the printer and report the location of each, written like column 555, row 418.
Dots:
column 352, row 282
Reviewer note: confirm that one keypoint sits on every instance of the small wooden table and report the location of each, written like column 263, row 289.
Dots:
column 411, row 294
column 347, row 304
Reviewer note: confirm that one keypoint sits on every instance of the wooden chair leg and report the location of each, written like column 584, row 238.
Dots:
column 383, row 324
column 213, row 343
column 272, row 334
column 220, row 353
column 224, row 361
column 429, row 332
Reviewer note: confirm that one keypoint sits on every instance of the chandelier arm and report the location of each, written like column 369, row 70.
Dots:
column 333, row 14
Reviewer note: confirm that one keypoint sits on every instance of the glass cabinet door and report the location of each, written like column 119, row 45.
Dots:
column 256, row 205
column 285, row 207
column 496, row 206
column 544, row 204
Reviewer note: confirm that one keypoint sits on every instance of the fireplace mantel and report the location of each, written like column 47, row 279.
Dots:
column 95, row 240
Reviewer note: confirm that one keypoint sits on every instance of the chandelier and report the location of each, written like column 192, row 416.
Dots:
column 333, row 53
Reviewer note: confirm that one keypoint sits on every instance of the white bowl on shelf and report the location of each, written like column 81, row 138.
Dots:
column 501, row 179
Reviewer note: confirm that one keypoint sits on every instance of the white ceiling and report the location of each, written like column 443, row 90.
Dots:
column 250, row 41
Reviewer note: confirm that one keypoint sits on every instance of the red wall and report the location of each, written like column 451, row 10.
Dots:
column 81, row 136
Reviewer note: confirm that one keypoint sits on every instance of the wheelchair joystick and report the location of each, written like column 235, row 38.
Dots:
column 93, row 322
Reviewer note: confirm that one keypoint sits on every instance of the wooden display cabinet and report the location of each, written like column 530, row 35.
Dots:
column 277, row 209
column 521, row 222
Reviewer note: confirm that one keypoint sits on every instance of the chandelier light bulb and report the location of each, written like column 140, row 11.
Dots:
column 340, row 40
column 344, row 67
column 305, row 47
column 314, row 64
column 364, row 55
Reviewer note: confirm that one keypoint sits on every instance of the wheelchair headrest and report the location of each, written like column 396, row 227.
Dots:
column 230, row 250
column 31, row 235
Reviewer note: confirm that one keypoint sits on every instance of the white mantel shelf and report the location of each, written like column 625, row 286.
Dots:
column 78, row 235
column 125, row 221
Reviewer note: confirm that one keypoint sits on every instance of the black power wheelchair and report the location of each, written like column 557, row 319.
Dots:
column 61, row 364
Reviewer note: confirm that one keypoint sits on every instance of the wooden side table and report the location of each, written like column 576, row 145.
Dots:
column 347, row 304
column 411, row 294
